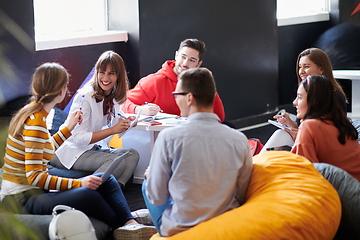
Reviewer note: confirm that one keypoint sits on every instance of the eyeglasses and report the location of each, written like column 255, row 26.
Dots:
column 179, row 93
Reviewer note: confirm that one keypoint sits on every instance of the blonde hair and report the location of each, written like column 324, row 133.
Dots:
column 118, row 66
column 47, row 82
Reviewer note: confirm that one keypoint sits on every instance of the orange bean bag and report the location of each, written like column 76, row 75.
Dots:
column 287, row 199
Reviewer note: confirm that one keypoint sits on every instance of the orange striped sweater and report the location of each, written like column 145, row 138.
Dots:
column 26, row 157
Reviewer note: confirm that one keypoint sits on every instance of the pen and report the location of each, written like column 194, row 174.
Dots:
column 81, row 101
column 281, row 113
column 121, row 116
column 151, row 104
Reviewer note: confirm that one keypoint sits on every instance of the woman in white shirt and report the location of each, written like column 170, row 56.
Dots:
column 100, row 100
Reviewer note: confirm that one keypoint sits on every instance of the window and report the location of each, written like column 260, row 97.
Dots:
column 295, row 11
column 66, row 16
column 64, row 23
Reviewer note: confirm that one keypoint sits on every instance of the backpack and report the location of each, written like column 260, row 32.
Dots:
column 70, row 224
column 255, row 146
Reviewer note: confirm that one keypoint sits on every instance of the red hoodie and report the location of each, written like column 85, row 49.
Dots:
column 157, row 88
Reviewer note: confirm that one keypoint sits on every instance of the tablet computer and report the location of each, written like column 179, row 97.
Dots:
column 113, row 165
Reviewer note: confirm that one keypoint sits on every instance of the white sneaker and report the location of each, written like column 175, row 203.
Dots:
column 134, row 232
column 143, row 216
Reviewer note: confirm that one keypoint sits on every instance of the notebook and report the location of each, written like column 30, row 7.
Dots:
column 279, row 125
column 133, row 122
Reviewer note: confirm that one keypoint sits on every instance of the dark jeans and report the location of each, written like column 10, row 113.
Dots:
column 106, row 204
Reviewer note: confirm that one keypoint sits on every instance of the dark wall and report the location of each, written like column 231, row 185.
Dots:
column 17, row 49
column 350, row 11
column 293, row 39
column 240, row 37
column 124, row 16
column 253, row 60
column 78, row 61
column 241, row 40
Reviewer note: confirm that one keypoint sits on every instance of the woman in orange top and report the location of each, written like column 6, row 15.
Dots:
column 311, row 61
column 325, row 134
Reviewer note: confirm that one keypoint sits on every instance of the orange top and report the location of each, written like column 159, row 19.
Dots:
column 26, row 156
column 318, row 142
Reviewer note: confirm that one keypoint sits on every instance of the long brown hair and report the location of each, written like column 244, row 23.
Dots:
column 323, row 105
column 321, row 59
column 47, row 82
column 117, row 64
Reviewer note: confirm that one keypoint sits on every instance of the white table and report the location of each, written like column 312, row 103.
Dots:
column 354, row 76
column 142, row 139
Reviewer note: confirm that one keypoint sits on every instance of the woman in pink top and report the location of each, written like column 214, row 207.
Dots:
column 325, row 134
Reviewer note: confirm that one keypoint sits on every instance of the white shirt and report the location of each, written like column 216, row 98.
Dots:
column 93, row 121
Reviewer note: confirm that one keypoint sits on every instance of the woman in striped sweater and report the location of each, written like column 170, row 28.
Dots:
column 26, row 186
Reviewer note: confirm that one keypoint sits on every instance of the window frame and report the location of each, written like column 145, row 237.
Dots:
column 305, row 17
column 98, row 34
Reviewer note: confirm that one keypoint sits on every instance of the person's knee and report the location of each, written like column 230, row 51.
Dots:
column 88, row 195
column 280, row 133
column 134, row 154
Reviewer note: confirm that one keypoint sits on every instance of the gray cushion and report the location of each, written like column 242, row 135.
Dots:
column 348, row 189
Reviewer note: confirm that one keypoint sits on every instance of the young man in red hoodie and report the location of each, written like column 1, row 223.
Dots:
column 154, row 92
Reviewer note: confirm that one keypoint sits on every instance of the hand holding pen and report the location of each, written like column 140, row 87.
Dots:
column 285, row 119
column 282, row 117
column 121, row 116
column 122, row 125
column 154, row 105
column 131, row 118
column 74, row 119
column 149, row 109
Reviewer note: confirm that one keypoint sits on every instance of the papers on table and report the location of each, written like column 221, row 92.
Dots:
column 173, row 121
column 160, row 116
column 164, row 118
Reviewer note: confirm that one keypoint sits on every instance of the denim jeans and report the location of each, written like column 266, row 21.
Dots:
column 156, row 212
column 107, row 203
